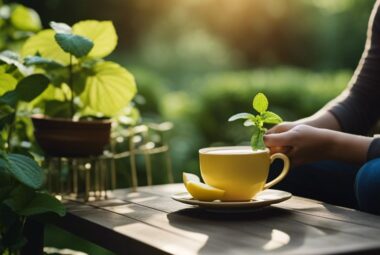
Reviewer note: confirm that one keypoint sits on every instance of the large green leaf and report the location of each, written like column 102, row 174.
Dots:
column 43, row 203
column 9, row 98
column 31, row 86
column 44, row 44
column 27, row 202
column 25, row 19
column 24, row 169
column 6, row 184
column 60, row 93
column 4, row 192
column 19, row 197
column 102, row 33
column 7, row 83
column 109, row 89
column 76, row 45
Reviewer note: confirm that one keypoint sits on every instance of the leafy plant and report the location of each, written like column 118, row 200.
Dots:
column 21, row 177
column 82, row 82
column 19, row 87
column 17, row 23
column 20, row 197
column 260, row 104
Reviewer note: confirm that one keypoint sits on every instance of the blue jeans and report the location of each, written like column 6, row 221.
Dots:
column 335, row 183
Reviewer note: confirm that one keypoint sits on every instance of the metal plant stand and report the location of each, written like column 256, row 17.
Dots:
column 93, row 178
column 81, row 178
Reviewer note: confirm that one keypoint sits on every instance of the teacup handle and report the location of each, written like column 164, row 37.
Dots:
column 284, row 171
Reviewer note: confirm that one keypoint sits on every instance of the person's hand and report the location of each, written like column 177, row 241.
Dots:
column 301, row 143
column 280, row 128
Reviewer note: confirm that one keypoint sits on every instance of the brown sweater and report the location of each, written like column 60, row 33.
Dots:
column 357, row 108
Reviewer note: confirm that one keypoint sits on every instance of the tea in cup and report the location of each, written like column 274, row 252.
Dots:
column 238, row 170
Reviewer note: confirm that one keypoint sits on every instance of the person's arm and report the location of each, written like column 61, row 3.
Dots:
column 355, row 110
column 347, row 147
column 304, row 144
column 322, row 119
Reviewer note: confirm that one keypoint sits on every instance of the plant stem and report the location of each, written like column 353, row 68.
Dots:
column 23, row 221
column 9, row 138
column 11, row 129
column 71, row 85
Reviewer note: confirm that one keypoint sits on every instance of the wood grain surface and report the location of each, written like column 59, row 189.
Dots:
column 150, row 222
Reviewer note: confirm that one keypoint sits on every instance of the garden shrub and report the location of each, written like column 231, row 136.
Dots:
column 200, row 112
column 151, row 88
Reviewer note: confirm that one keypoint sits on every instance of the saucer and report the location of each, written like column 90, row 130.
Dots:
column 262, row 199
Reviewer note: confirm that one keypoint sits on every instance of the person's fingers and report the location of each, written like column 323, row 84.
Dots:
column 271, row 131
column 279, row 149
column 278, row 140
column 280, row 128
column 274, row 129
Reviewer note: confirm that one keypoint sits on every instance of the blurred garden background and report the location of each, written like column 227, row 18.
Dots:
column 197, row 62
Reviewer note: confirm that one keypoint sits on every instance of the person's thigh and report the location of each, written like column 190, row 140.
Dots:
column 328, row 181
column 367, row 187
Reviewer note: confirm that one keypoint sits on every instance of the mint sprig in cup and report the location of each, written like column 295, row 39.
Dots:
column 260, row 104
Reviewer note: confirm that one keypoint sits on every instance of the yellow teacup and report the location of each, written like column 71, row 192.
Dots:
column 238, row 170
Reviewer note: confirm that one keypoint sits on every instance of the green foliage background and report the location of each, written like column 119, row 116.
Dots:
column 175, row 37
column 200, row 112
column 198, row 62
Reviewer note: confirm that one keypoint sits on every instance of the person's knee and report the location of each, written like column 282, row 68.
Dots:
column 367, row 187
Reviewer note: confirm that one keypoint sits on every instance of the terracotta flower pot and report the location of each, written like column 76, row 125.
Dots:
column 67, row 138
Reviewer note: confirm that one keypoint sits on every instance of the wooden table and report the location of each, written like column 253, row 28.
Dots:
column 150, row 222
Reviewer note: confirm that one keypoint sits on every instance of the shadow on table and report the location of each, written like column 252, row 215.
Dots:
column 265, row 230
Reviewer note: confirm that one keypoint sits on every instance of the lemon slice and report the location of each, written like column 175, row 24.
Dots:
column 189, row 177
column 204, row 192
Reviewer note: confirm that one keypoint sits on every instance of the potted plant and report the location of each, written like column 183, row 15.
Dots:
column 85, row 90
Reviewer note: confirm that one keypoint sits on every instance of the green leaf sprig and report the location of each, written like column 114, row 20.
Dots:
column 260, row 104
